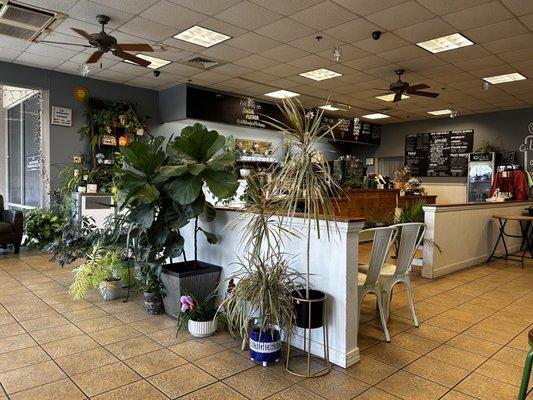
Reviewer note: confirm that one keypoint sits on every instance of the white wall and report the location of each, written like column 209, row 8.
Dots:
column 167, row 129
column 447, row 193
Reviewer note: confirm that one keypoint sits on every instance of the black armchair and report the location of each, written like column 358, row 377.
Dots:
column 11, row 227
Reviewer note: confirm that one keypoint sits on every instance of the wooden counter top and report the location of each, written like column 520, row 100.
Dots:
column 483, row 204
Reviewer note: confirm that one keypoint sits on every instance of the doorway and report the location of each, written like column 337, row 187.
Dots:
column 22, row 113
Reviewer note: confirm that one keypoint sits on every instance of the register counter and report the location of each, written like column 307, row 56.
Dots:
column 466, row 234
column 367, row 203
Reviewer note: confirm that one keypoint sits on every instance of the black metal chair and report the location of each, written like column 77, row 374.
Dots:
column 11, row 227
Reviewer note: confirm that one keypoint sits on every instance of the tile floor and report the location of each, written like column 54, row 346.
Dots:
column 471, row 345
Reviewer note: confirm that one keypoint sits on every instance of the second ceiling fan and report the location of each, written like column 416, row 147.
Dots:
column 104, row 43
column 400, row 87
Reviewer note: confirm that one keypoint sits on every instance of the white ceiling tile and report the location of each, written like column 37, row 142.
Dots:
column 148, row 29
column 498, row 30
column 464, row 54
column 238, row 83
column 65, row 27
column 309, row 62
column 442, row 7
column 132, row 6
column 52, row 5
column 145, row 82
column 8, row 54
column 404, row 53
column 248, row 15
column 222, row 27
column 352, row 31
column 388, row 41
column 70, row 67
column 284, row 53
column 365, row 7
column 519, row 7
column 173, row 15
column 286, row 7
column 210, row 76
column 285, row 30
column 484, row 14
column 312, row 45
column 476, row 63
column 7, row 42
column 256, row 62
column 410, row 12
column 349, row 52
column 108, row 74
column 128, row 68
column 51, row 51
column 323, row 15
column 259, row 76
column 181, row 69
column 283, row 70
column 87, row 11
column 225, row 53
column 171, row 54
column 41, row 61
column 430, row 29
column 61, row 37
column 524, row 41
column 365, row 63
column 210, row 7
column 253, row 42
column 233, row 70
column 517, row 55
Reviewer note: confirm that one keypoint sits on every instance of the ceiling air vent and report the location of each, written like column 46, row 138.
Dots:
column 24, row 22
column 203, row 62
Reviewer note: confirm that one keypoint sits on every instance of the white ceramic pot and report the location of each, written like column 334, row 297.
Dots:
column 111, row 290
column 202, row 328
column 92, row 188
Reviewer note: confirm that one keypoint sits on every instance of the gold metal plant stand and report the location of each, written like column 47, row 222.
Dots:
column 307, row 342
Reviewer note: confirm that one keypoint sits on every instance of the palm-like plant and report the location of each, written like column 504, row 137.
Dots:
column 304, row 181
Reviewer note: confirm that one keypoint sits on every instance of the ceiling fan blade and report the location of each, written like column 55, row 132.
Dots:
column 81, row 32
column 417, row 87
column 94, row 57
column 134, row 47
column 70, row 44
column 424, row 94
column 397, row 97
column 132, row 58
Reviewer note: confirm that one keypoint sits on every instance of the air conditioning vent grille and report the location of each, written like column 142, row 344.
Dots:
column 203, row 62
column 16, row 32
column 25, row 16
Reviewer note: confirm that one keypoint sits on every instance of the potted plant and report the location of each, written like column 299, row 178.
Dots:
column 199, row 318
column 41, row 227
column 103, row 270
column 162, row 191
column 153, row 289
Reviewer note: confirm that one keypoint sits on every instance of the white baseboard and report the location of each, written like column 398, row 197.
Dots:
column 336, row 357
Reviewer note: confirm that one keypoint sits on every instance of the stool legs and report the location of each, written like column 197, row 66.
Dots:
column 525, row 377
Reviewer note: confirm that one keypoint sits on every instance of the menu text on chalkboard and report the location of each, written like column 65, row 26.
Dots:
column 439, row 153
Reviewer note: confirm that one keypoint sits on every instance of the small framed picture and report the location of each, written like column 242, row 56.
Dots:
column 61, row 116
column 369, row 161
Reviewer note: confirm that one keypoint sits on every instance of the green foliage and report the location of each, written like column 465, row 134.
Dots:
column 103, row 264
column 411, row 212
column 41, row 227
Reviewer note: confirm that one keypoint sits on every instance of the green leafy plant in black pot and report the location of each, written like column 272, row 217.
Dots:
column 163, row 191
column 41, row 227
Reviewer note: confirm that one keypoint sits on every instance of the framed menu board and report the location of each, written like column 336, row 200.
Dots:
column 439, row 153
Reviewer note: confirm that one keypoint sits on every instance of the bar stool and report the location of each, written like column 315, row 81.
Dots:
column 527, row 368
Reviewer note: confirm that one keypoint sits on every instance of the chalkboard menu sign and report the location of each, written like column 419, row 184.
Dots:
column 439, row 153
column 357, row 132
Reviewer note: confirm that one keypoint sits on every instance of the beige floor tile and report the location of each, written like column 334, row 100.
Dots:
column 335, row 385
column 6, row 318
column 433, row 333
column 11, row 329
column 196, row 348
column 30, row 376
column 86, row 360
column 181, row 380
column 22, row 358
column 72, row 306
column 474, row 345
column 295, row 392
column 83, row 314
column 437, row 371
column 502, row 371
column 105, row 378
column 223, row 338
column 167, row 337
column 511, row 355
column 116, row 334
column 490, row 334
column 375, row 394
column 390, row 354
column 65, row 347
column 258, row 383
column 369, row 370
column 98, row 324
column 56, row 333
column 457, row 357
column 154, row 324
column 155, row 362
column 59, row 390
column 49, row 321
column 140, row 390
column 455, row 395
column 224, row 364
column 214, row 391
column 132, row 315
column 411, row 387
column 451, row 324
column 18, row 342
column 484, row 388
column 132, row 347
column 414, row 343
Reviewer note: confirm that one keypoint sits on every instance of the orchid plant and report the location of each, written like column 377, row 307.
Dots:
column 195, row 311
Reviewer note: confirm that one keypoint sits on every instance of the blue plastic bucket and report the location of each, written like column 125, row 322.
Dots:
column 265, row 347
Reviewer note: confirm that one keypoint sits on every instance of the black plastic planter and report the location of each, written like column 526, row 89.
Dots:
column 314, row 305
column 196, row 279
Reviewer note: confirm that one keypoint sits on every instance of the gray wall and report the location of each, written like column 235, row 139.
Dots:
column 65, row 141
column 507, row 128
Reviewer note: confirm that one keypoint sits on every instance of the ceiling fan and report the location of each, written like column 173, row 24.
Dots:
column 105, row 43
column 400, row 87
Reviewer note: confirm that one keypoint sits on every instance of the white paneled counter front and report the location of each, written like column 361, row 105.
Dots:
column 333, row 266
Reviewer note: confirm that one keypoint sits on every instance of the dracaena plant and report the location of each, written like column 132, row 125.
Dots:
column 162, row 189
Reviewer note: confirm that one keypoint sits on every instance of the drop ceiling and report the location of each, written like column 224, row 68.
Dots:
column 273, row 41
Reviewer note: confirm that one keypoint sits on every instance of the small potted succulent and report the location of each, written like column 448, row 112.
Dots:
column 199, row 318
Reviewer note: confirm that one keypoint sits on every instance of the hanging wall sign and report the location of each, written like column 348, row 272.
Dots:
column 61, row 116
column 33, row 163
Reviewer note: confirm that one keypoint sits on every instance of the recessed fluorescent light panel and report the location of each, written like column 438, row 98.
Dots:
column 515, row 76
column 202, row 36
column 440, row 112
column 390, row 97
column 155, row 62
column 282, row 94
column 445, row 43
column 376, row 116
column 329, row 107
column 320, row 74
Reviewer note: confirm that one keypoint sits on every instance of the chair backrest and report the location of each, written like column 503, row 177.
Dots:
column 383, row 239
column 411, row 236
column 1, row 203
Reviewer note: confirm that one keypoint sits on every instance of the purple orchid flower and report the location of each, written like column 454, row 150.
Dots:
column 187, row 303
